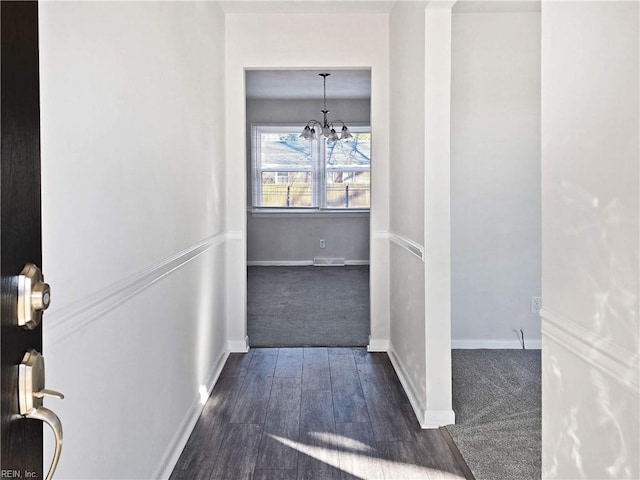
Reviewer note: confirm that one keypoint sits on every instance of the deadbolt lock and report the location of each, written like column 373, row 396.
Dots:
column 34, row 296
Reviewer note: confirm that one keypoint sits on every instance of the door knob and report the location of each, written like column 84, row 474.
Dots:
column 31, row 391
column 34, row 296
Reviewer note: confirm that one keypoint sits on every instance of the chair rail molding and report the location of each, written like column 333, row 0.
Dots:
column 615, row 362
column 406, row 243
column 71, row 318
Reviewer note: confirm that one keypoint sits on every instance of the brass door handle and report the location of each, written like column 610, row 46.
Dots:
column 31, row 391
column 34, row 296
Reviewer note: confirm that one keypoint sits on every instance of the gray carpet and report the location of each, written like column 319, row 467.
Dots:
column 308, row 306
column 497, row 400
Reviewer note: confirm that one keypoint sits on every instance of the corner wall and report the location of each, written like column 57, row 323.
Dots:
column 420, row 53
column 406, row 179
column 590, row 240
column 132, row 111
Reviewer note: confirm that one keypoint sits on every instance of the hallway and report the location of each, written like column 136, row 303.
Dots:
column 312, row 413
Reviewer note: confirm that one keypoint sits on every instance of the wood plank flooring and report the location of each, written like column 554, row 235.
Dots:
column 312, row 413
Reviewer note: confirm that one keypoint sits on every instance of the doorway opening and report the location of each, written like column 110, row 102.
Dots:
column 309, row 207
column 496, row 249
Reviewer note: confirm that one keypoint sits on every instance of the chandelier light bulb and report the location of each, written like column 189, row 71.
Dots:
column 345, row 133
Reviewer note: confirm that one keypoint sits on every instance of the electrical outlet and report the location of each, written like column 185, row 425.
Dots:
column 322, row 243
column 536, row 304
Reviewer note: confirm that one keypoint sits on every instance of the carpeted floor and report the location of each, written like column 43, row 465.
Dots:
column 497, row 400
column 308, row 306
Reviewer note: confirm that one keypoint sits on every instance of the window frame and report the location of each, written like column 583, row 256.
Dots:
column 318, row 168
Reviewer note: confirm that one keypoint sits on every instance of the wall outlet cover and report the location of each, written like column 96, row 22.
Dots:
column 536, row 304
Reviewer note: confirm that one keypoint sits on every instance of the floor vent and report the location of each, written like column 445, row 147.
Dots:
column 328, row 262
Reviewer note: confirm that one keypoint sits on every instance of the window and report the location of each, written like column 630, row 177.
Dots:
column 291, row 172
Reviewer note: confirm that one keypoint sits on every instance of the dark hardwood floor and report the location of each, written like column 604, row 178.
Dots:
column 312, row 413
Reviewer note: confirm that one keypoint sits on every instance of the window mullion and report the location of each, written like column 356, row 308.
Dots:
column 315, row 149
column 257, row 170
column 322, row 177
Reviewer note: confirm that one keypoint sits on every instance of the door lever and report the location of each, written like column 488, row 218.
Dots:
column 48, row 393
column 31, row 391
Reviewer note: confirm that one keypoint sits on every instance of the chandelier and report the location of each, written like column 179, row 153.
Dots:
column 326, row 127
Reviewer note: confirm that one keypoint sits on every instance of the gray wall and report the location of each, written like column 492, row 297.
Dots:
column 283, row 238
column 495, row 178
column 295, row 238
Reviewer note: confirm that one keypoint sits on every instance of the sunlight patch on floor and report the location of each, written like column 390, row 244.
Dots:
column 341, row 441
column 355, row 458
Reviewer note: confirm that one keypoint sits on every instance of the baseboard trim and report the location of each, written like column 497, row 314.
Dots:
column 357, row 263
column 279, row 263
column 238, row 346
column 426, row 418
column 495, row 344
column 438, row 418
column 378, row 344
column 179, row 440
column 414, row 399
column 599, row 352
column 297, row 263
column 68, row 320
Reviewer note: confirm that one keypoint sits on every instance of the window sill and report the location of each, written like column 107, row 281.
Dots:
column 306, row 213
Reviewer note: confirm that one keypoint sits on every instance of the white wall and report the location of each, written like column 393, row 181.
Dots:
column 406, row 179
column 437, row 213
column 419, row 207
column 133, row 227
column 256, row 41
column 276, row 238
column 495, row 178
column 590, row 240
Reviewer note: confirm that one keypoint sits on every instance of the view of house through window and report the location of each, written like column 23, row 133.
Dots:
column 292, row 172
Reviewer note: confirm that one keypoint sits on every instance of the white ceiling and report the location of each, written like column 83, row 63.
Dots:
column 307, row 84
column 370, row 6
column 497, row 6
column 307, row 6
column 355, row 84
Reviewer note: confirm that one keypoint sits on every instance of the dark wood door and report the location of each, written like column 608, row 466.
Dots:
column 20, row 237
